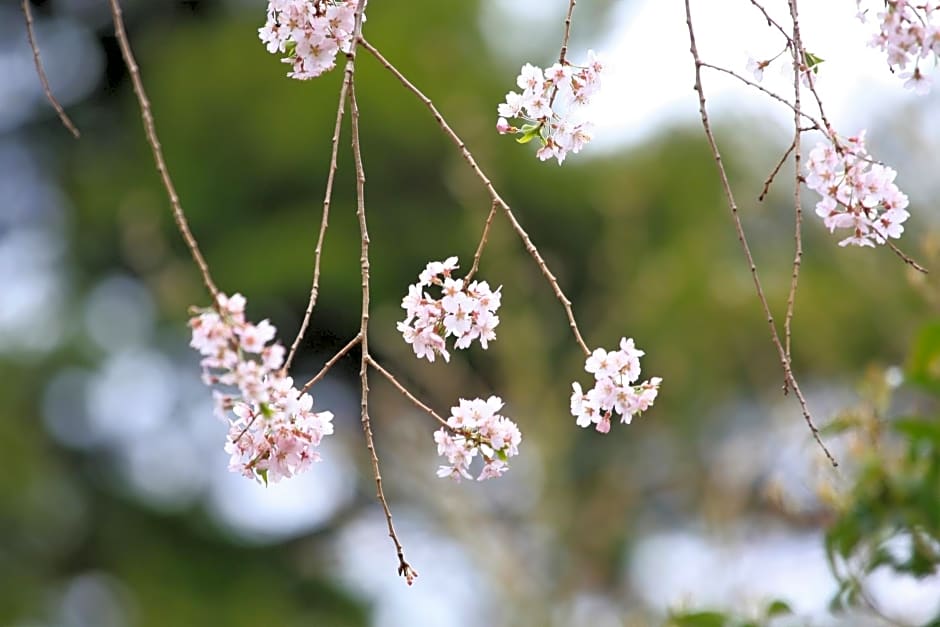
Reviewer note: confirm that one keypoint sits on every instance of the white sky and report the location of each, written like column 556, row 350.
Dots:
column 651, row 77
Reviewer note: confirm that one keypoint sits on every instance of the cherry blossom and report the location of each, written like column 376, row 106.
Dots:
column 756, row 68
column 551, row 107
column 273, row 429
column 464, row 311
column 908, row 33
column 857, row 193
column 476, row 428
column 310, row 32
column 615, row 389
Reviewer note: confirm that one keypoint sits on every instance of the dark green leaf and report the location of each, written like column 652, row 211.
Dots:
column 778, row 608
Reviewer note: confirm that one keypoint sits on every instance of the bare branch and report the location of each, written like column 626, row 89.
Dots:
column 562, row 57
column 739, row 228
column 327, row 198
column 482, row 244
column 906, row 259
column 494, row 196
column 404, row 568
column 404, row 391
column 758, row 86
column 773, row 174
column 151, row 132
column 772, row 22
column 796, row 50
column 332, row 362
column 41, row 72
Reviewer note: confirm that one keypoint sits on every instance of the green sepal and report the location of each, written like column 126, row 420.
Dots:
column 529, row 132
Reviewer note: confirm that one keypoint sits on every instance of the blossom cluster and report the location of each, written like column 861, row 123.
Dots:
column 475, row 426
column 464, row 311
column 310, row 32
column 274, row 430
column 551, row 107
column 615, row 389
column 857, row 193
column 909, row 32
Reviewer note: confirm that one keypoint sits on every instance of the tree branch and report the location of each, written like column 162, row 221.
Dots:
column 739, row 228
column 404, row 391
column 332, row 362
column 41, row 72
column 324, row 221
column 483, row 240
column 404, row 568
column 151, row 133
column 797, row 53
column 494, row 196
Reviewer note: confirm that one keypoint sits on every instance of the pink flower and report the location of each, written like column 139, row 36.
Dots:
column 550, row 107
column 272, row 426
column 856, row 193
column 463, row 312
column 475, row 428
column 314, row 31
column 907, row 33
column 614, row 391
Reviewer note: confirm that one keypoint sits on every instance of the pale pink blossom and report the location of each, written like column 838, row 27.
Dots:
column 857, row 194
column 908, row 34
column 311, row 32
column 463, row 312
column 273, row 429
column 614, row 392
column 550, row 107
column 475, row 428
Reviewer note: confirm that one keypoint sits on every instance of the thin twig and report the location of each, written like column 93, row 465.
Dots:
column 41, row 72
column 772, row 22
column 797, row 185
column 562, row 57
column 483, row 239
column 797, row 47
column 151, row 132
column 773, row 174
column 247, row 427
column 739, row 228
column 758, row 86
column 404, row 568
column 404, row 391
column 906, row 259
column 494, row 196
column 327, row 198
column 811, row 81
column 332, row 362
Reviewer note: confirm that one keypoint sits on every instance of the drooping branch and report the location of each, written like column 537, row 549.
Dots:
column 332, row 362
column 907, row 259
column 324, row 221
column 404, row 568
column 739, row 229
column 151, row 132
column 484, row 238
column 41, row 72
column 797, row 52
column 816, row 124
column 404, row 392
column 494, row 195
column 774, row 172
